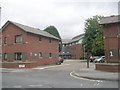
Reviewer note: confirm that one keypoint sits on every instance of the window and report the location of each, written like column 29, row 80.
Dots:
column 50, row 54
column 18, row 39
column 18, row 56
column 40, row 38
column 40, row 54
column 5, row 40
column 0, row 56
column 49, row 40
column 0, row 41
column 5, row 56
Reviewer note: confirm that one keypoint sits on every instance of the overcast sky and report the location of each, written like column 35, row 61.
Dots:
column 68, row 16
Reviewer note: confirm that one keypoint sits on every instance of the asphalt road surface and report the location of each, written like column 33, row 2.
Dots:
column 58, row 76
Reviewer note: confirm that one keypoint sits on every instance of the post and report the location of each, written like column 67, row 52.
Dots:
column 84, row 51
column 88, row 59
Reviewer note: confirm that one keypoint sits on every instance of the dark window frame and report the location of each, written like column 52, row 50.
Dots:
column 40, row 54
column 0, row 41
column 17, row 57
column 50, row 55
column 5, row 56
column 5, row 40
column 18, row 40
column 50, row 40
column 40, row 38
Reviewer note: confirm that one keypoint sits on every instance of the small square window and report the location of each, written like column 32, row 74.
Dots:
column 18, row 39
column 49, row 40
column 40, row 38
column 5, row 56
column 50, row 55
column 0, row 41
column 5, row 40
column 40, row 54
column 18, row 56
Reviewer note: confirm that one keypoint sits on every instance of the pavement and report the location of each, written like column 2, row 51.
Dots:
column 91, row 73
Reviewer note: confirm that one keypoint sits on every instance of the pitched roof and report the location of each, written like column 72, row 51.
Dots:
column 77, row 38
column 65, row 41
column 110, row 19
column 31, row 30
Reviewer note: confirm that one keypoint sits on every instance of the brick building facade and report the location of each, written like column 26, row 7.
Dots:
column 111, row 26
column 22, row 43
column 72, row 49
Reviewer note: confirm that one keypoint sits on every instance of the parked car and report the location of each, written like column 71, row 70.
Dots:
column 92, row 58
column 100, row 60
column 60, row 60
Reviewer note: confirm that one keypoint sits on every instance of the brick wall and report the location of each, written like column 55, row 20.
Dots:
column 108, row 67
column 76, row 51
column 30, row 47
column 111, row 42
column 11, row 47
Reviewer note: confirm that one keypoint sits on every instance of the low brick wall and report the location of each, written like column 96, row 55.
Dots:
column 28, row 63
column 108, row 67
column 18, row 65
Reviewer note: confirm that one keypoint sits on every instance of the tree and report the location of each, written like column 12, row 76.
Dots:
column 52, row 30
column 93, row 38
column 98, row 46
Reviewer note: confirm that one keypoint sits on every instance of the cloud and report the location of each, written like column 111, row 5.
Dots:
column 68, row 16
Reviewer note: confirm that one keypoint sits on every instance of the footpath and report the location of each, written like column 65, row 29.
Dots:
column 91, row 73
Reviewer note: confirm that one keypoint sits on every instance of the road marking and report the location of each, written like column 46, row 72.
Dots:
column 35, row 85
column 41, row 68
column 17, row 86
column 81, row 85
column 71, row 74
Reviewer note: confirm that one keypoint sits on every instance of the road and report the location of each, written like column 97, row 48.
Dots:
column 58, row 76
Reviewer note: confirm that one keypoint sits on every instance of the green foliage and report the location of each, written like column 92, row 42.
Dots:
column 98, row 46
column 82, row 58
column 52, row 30
column 93, row 39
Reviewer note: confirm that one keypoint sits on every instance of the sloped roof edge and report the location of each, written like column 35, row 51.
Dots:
column 30, row 29
column 110, row 19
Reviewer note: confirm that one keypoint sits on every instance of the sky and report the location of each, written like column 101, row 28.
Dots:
column 68, row 16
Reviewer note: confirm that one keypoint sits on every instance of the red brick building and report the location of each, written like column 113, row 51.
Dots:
column 72, row 49
column 22, row 43
column 111, row 26
column 76, row 49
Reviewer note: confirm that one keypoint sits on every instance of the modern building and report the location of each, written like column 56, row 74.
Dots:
column 76, row 49
column 21, row 43
column 65, row 52
column 72, row 48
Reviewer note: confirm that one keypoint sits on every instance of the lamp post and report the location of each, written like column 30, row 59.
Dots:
column 84, row 51
column 88, row 58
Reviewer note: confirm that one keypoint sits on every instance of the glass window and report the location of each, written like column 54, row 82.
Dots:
column 0, row 41
column 50, row 54
column 0, row 56
column 40, row 38
column 49, row 40
column 5, row 56
column 18, row 56
column 18, row 39
column 5, row 40
column 40, row 54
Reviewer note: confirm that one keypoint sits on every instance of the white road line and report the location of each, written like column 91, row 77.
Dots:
column 71, row 74
column 35, row 85
column 51, row 66
column 17, row 86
